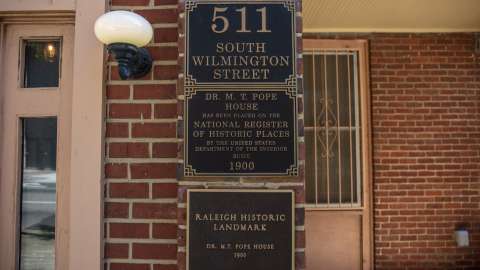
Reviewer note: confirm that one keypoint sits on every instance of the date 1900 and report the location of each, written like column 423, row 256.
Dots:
column 242, row 166
column 239, row 255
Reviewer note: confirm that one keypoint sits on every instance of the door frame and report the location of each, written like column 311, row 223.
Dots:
column 366, row 209
column 85, row 237
column 88, row 136
column 34, row 102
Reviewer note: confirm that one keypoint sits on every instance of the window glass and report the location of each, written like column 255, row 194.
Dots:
column 332, row 128
column 38, row 194
column 42, row 63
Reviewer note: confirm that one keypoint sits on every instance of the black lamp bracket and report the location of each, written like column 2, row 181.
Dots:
column 133, row 62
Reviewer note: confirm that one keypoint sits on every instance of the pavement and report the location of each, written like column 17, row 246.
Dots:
column 38, row 220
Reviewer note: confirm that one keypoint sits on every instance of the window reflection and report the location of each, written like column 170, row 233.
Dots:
column 38, row 194
column 42, row 63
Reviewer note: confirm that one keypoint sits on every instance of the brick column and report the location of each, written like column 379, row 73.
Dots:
column 141, row 150
column 292, row 183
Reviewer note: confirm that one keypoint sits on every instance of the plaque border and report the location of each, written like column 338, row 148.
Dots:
column 190, row 171
column 190, row 5
column 187, row 243
column 191, row 86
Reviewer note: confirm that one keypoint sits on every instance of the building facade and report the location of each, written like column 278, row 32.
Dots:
column 93, row 169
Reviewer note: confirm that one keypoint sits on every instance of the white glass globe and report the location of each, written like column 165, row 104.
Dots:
column 123, row 27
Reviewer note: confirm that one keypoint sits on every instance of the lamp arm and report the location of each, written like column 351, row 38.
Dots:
column 133, row 62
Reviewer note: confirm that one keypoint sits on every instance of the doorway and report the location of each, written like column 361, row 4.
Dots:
column 35, row 94
column 338, row 219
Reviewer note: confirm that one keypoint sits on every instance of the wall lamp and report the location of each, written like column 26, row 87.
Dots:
column 124, row 33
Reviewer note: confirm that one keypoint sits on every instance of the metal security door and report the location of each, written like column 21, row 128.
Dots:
column 338, row 219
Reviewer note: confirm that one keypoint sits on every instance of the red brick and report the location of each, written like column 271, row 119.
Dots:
column 154, row 251
column 130, row 2
column 300, row 239
column 152, row 170
column 165, row 2
column 164, row 231
column 129, row 230
column 118, row 91
column 164, row 190
column 181, row 235
column 142, row 111
column 299, row 260
column 163, row 53
column 116, row 210
column 159, row 15
column 116, row 130
column 416, row 115
column 154, row 210
column 154, row 130
column 162, row 72
column 165, row 110
column 117, row 251
column 165, row 150
column 115, row 170
column 181, row 261
column 128, row 150
column 165, row 267
column 154, row 91
column 128, row 190
column 129, row 266
column 165, row 35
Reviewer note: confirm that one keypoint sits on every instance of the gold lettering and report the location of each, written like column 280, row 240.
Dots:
column 216, row 124
column 226, row 227
column 241, row 106
column 217, row 75
column 198, row 60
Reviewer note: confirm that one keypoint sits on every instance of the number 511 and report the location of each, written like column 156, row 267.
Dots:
column 243, row 23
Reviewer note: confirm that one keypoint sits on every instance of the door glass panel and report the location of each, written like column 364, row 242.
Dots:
column 42, row 63
column 38, row 194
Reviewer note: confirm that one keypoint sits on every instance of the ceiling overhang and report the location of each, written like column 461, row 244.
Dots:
column 391, row 16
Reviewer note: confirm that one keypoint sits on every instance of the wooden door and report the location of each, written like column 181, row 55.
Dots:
column 338, row 220
column 35, row 91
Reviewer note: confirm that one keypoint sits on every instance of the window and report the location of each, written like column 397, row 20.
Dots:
column 35, row 144
column 38, row 193
column 333, row 128
column 41, row 63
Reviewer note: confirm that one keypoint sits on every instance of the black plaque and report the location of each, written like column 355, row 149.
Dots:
column 240, row 229
column 240, row 88
column 247, row 42
column 241, row 132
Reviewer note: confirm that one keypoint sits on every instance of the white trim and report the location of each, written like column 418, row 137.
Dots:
column 86, row 195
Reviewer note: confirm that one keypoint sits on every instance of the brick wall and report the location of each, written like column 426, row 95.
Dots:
column 426, row 148
column 426, row 141
column 142, row 230
column 141, row 150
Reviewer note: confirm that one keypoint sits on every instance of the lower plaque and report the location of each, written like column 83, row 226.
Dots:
column 240, row 229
